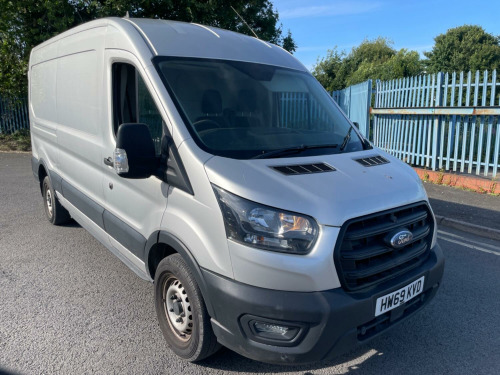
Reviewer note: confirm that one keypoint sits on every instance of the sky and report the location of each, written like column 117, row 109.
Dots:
column 319, row 25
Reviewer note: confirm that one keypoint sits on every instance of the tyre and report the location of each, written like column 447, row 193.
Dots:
column 56, row 213
column 181, row 311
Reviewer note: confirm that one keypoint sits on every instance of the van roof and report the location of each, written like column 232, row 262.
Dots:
column 174, row 38
column 182, row 39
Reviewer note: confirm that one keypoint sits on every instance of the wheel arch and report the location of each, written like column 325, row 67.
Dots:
column 39, row 169
column 42, row 173
column 162, row 244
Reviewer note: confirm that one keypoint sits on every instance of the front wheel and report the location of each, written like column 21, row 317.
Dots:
column 181, row 311
column 55, row 212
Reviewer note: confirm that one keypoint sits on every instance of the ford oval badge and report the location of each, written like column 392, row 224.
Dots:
column 401, row 238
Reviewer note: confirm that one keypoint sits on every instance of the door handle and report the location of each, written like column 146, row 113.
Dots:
column 109, row 161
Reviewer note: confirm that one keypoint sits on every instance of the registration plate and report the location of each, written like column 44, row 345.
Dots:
column 399, row 297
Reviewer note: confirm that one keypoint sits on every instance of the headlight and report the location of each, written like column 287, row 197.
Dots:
column 265, row 227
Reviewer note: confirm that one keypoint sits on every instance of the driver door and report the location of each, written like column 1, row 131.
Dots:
column 133, row 208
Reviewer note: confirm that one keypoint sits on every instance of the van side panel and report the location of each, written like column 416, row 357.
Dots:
column 43, row 108
column 81, row 111
column 43, row 91
column 78, row 91
column 45, row 52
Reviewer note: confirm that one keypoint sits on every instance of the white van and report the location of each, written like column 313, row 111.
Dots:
column 216, row 166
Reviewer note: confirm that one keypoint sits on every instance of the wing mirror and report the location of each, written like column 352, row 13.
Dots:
column 135, row 156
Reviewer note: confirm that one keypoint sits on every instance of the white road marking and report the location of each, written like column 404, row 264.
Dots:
column 482, row 244
column 472, row 245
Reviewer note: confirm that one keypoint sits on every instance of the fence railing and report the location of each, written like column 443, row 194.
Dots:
column 441, row 121
column 13, row 114
column 438, row 121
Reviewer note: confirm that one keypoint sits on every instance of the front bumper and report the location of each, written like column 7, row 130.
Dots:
column 334, row 321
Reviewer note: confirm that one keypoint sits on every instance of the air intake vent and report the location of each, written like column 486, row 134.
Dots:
column 303, row 168
column 372, row 161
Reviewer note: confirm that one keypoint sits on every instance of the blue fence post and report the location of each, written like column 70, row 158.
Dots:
column 437, row 123
column 375, row 126
column 367, row 109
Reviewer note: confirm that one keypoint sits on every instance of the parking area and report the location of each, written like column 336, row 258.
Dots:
column 68, row 306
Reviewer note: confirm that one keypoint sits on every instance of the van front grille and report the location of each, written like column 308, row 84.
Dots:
column 364, row 255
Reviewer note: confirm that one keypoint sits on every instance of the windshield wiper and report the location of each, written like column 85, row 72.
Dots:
column 346, row 140
column 290, row 150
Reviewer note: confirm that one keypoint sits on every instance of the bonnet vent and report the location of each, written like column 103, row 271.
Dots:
column 372, row 161
column 303, row 168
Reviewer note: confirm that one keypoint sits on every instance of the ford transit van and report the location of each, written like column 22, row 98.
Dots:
column 215, row 166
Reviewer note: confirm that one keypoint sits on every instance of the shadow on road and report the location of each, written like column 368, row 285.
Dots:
column 228, row 360
column 4, row 371
column 72, row 224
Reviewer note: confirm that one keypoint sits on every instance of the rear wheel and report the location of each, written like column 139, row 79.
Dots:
column 181, row 311
column 56, row 213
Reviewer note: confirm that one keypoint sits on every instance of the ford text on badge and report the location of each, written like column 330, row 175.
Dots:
column 395, row 299
column 401, row 239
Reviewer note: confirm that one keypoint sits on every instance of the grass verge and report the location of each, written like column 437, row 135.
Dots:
column 18, row 141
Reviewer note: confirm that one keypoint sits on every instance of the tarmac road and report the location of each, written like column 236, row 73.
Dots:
column 68, row 306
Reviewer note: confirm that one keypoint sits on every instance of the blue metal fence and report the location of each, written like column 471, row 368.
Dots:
column 13, row 115
column 439, row 121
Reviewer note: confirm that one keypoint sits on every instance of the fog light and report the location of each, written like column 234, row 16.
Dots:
column 262, row 327
column 274, row 331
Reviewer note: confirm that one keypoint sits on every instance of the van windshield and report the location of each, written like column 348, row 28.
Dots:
column 247, row 110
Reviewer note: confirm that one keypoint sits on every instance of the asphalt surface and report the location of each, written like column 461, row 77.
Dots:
column 68, row 306
column 478, row 209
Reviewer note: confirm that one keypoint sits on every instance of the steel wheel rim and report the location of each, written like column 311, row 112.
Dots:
column 177, row 308
column 49, row 201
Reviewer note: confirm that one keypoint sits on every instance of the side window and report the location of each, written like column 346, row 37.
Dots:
column 132, row 102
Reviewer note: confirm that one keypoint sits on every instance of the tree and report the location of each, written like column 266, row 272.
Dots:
column 402, row 64
column 259, row 14
column 374, row 59
column 464, row 48
column 288, row 43
column 328, row 70
column 25, row 24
